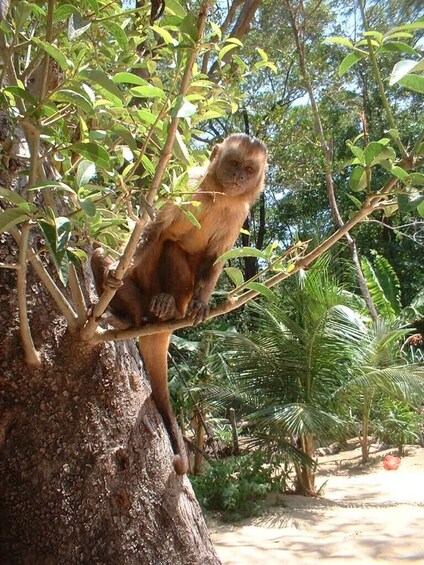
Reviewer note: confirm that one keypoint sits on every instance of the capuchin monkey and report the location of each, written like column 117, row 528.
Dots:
column 175, row 272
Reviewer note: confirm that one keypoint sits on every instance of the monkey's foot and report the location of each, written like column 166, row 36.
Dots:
column 163, row 306
column 197, row 311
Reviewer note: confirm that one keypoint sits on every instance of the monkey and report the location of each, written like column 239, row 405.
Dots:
column 175, row 267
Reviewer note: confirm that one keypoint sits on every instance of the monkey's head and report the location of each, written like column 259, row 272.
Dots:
column 238, row 165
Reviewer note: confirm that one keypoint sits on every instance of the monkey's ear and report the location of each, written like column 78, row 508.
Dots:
column 215, row 151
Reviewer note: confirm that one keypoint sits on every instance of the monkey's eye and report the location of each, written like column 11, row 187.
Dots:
column 249, row 170
column 234, row 163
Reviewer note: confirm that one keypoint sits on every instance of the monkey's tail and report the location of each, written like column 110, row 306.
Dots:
column 154, row 349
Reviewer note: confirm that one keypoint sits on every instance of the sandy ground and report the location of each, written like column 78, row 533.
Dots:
column 364, row 516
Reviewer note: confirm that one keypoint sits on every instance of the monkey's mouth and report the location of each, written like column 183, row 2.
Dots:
column 234, row 186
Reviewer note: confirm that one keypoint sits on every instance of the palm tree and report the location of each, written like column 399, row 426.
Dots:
column 306, row 354
column 284, row 373
column 376, row 368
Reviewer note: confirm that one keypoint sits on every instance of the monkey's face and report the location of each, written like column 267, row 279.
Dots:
column 239, row 167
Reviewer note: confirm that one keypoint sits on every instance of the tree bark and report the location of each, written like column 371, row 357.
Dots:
column 86, row 471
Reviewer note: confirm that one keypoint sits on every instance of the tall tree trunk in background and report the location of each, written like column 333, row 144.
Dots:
column 86, row 471
column 251, row 266
column 298, row 23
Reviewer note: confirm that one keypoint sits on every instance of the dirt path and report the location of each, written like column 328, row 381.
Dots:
column 363, row 517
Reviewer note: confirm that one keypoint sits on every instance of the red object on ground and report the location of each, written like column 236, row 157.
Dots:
column 391, row 463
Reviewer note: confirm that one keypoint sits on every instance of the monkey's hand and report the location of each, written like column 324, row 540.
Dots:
column 111, row 281
column 163, row 306
column 197, row 311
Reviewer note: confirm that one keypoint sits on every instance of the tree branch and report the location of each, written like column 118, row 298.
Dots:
column 77, row 295
column 58, row 297
column 371, row 204
column 32, row 356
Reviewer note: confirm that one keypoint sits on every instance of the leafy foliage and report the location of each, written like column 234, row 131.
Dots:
column 237, row 486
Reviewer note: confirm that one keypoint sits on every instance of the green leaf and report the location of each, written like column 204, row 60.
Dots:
column 54, row 52
column 126, row 135
column 94, row 6
column 62, row 12
column 396, row 47
column 338, row 40
column 417, row 179
column 191, row 217
column 93, row 152
column 87, row 206
column 118, row 33
column 63, row 230
column 175, row 7
column 241, row 252
column 407, row 204
column 356, row 201
column 376, row 152
column 147, row 91
column 349, row 61
column 72, row 97
column 12, row 217
column 12, row 197
column 235, row 275
column 128, row 78
column 398, row 172
column 357, row 151
column 262, row 289
column 18, row 92
column 57, row 233
column 100, row 78
column 420, row 209
column 376, row 34
column 413, row 82
column 85, row 172
column 165, row 35
column 358, row 179
column 226, row 49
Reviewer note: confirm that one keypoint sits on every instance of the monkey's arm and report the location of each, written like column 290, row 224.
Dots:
column 207, row 277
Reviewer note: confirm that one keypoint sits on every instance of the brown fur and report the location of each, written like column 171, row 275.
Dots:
column 174, row 271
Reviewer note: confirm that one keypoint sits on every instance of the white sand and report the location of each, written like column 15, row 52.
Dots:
column 364, row 516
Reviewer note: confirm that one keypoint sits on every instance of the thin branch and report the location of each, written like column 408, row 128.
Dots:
column 89, row 330
column 14, row 266
column 372, row 203
column 32, row 356
column 327, row 152
column 54, row 291
column 77, row 295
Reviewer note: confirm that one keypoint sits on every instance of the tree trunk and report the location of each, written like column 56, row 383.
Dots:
column 305, row 475
column 86, row 471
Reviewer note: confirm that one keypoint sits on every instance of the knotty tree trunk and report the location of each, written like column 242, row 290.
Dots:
column 86, row 471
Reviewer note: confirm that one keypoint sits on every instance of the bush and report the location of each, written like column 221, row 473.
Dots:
column 399, row 425
column 237, row 486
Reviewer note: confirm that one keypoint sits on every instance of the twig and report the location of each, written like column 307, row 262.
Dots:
column 89, row 330
column 77, row 295
column 372, row 203
column 32, row 356
column 54, row 291
column 15, row 266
